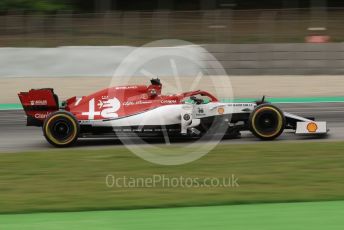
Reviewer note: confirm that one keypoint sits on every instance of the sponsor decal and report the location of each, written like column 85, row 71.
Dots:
column 128, row 103
column 186, row 117
column 240, row 104
column 142, row 130
column 136, row 130
column 39, row 102
column 312, row 127
column 221, row 110
column 41, row 115
column 143, row 102
column 106, row 108
column 127, row 87
column 85, row 122
column 200, row 111
column 168, row 101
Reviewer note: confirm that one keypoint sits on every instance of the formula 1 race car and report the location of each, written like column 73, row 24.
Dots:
column 144, row 111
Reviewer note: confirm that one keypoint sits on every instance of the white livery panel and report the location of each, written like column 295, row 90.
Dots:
column 311, row 127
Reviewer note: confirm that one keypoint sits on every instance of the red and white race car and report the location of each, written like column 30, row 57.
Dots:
column 142, row 110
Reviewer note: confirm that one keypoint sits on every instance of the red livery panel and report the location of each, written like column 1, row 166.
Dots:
column 110, row 103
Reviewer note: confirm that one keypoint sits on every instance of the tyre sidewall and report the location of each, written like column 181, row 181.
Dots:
column 66, row 115
column 259, row 135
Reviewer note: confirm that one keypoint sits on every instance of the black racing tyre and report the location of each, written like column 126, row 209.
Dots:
column 267, row 122
column 61, row 129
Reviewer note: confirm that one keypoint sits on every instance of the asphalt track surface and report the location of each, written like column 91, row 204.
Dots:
column 15, row 136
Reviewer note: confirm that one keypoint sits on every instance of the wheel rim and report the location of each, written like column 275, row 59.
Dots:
column 61, row 129
column 267, row 122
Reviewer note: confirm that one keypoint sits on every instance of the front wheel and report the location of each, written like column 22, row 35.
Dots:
column 61, row 129
column 267, row 122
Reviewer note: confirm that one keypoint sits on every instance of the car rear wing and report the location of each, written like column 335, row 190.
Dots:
column 38, row 104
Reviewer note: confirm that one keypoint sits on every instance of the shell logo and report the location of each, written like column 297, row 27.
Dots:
column 221, row 110
column 312, row 127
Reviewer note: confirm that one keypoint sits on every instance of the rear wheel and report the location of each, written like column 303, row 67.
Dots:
column 61, row 129
column 267, row 122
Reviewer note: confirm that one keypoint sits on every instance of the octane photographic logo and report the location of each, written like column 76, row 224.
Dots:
column 181, row 67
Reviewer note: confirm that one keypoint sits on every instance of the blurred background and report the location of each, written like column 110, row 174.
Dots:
column 49, row 23
column 283, row 37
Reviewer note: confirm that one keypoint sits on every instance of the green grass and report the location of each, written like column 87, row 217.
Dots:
column 74, row 179
column 313, row 215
